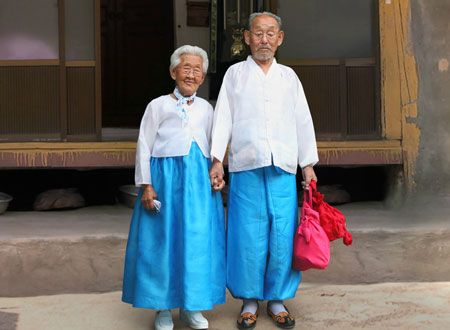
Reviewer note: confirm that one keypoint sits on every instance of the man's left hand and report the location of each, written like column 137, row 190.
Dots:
column 216, row 175
column 308, row 175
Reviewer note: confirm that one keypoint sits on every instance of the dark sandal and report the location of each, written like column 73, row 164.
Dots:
column 282, row 320
column 247, row 320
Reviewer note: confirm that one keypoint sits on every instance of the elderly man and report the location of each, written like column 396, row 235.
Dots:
column 262, row 111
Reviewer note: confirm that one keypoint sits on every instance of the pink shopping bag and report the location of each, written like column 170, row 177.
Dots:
column 311, row 243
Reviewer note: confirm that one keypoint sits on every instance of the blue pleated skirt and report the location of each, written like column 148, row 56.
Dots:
column 176, row 258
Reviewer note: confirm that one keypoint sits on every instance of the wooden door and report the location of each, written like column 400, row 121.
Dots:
column 333, row 45
column 137, row 41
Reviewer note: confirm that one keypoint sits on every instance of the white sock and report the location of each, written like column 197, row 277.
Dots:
column 250, row 306
column 276, row 306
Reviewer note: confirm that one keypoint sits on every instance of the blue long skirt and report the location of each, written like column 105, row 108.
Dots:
column 176, row 258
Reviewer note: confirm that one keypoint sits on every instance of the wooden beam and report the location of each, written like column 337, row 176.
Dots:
column 29, row 62
column 67, row 155
column 84, row 64
column 122, row 154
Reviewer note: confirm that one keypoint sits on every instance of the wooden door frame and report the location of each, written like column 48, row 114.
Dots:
column 98, row 69
column 62, row 69
column 64, row 64
column 96, row 64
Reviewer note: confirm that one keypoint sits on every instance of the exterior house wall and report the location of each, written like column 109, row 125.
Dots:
column 431, row 43
column 415, row 43
column 415, row 116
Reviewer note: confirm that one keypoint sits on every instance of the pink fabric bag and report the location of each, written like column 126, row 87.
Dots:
column 311, row 243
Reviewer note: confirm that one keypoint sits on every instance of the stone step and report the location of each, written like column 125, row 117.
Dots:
column 81, row 251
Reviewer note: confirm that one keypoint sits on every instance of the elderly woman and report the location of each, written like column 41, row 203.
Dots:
column 175, row 255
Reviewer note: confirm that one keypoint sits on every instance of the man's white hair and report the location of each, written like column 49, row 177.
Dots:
column 175, row 59
column 264, row 13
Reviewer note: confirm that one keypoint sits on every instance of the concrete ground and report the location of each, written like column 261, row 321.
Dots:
column 77, row 254
column 376, row 306
column 93, row 221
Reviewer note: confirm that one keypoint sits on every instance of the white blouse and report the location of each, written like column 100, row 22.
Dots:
column 265, row 117
column 162, row 133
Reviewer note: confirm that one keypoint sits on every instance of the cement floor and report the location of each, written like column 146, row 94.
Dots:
column 101, row 221
column 376, row 306
column 93, row 221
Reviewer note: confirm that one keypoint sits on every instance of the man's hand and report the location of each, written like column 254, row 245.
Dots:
column 216, row 175
column 308, row 175
column 148, row 195
column 218, row 184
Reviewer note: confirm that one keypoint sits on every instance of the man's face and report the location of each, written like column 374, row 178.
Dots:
column 264, row 38
column 188, row 75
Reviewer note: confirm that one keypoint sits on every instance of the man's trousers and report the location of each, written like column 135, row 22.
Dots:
column 262, row 219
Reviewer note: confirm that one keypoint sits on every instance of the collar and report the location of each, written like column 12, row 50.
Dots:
column 273, row 69
column 182, row 100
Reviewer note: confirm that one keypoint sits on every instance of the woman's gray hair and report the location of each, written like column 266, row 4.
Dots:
column 175, row 59
column 264, row 13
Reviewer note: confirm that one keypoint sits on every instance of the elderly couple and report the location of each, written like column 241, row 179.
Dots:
column 177, row 254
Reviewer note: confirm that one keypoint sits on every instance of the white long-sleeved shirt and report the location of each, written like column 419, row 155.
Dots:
column 265, row 117
column 162, row 133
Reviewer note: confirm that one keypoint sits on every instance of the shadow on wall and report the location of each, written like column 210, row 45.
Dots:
column 98, row 187
column 101, row 187
column 368, row 183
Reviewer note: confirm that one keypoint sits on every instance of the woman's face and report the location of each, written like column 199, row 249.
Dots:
column 188, row 74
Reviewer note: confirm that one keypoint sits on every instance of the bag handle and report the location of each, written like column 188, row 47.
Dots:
column 313, row 185
column 307, row 196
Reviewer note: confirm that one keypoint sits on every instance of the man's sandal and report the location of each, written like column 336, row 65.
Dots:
column 247, row 320
column 282, row 320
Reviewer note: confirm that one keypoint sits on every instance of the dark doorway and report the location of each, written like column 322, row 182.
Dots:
column 137, row 41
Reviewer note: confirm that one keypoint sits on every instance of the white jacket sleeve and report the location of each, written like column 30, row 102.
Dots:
column 221, row 131
column 306, row 138
column 147, row 135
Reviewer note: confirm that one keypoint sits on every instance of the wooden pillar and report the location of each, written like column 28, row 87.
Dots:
column 399, row 83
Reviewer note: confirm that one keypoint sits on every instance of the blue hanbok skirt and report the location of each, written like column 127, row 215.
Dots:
column 176, row 258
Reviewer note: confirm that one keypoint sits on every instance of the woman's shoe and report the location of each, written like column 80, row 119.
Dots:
column 282, row 320
column 163, row 320
column 247, row 320
column 194, row 320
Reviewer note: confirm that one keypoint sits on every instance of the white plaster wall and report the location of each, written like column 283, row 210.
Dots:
column 191, row 35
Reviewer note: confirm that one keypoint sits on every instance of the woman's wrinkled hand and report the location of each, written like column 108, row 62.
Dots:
column 148, row 195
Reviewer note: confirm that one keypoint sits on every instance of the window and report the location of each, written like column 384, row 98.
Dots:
column 333, row 47
column 79, row 19
column 28, row 29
